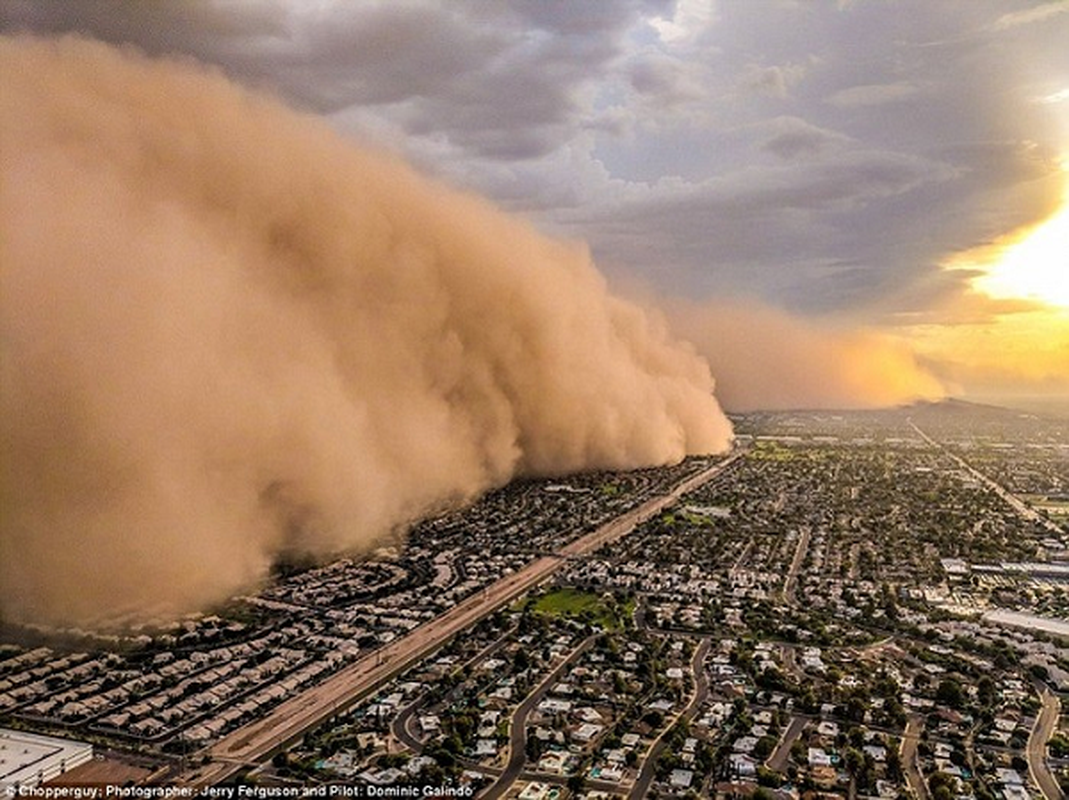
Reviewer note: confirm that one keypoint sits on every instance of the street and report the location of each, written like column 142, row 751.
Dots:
column 253, row 743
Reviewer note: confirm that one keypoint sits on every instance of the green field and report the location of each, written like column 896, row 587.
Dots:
column 585, row 606
column 1056, row 508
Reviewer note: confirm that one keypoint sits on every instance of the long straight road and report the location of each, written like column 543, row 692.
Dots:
column 1017, row 504
column 254, row 743
column 791, row 580
column 779, row 757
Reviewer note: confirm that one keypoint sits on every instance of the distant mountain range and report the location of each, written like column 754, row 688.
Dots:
column 991, row 411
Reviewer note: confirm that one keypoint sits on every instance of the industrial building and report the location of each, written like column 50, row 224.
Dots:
column 27, row 759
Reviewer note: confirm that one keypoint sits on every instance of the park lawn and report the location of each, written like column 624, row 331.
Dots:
column 582, row 605
column 1053, row 507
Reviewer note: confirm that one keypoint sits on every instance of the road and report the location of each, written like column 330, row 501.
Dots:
column 518, row 726
column 701, row 692
column 796, row 565
column 742, row 558
column 253, row 743
column 402, row 723
column 1046, row 721
column 778, row 759
column 401, row 727
column 910, row 762
column 1017, row 504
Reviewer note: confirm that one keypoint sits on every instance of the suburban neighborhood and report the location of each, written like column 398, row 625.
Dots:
column 857, row 605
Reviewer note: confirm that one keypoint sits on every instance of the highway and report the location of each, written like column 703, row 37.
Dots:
column 1046, row 721
column 252, row 744
column 1017, row 504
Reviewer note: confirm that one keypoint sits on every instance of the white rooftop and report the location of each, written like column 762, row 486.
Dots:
column 27, row 759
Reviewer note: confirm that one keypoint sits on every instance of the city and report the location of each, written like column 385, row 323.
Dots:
column 857, row 604
column 534, row 400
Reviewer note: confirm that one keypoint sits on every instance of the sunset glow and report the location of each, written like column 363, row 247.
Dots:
column 1028, row 265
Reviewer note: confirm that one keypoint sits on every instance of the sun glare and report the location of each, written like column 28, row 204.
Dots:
column 1031, row 265
column 1034, row 268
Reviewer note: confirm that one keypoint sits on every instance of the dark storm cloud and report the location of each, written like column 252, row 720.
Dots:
column 500, row 82
column 324, row 58
column 664, row 80
column 568, row 18
column 754, row 216
column 907, row 83
column 825, row 157
column 791, row 138
column 522, row 105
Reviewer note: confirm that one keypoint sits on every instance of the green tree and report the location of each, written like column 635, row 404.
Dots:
column 576, row 783
column 894, row 765
column 764, row 747
column 941, row 786
column 950, row 693
column 986, row 691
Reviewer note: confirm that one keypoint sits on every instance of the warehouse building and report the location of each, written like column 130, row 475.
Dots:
column 27, row 759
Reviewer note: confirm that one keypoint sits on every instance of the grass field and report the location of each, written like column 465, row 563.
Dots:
column 1057, row 508
column 586, row 606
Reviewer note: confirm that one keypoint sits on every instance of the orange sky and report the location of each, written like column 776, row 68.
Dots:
column 1021, row 346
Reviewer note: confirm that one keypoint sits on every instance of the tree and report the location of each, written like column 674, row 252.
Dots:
column 533, row 748
column 1059, row 746
column 855, row 708
column 769, row 777
column 950, row 693
column 855, row 761
column 986, row 691
column 856, row 736
column 894, row 765
column 575, row 783
column 941, row 786
column 764, row 747
column 808, row 701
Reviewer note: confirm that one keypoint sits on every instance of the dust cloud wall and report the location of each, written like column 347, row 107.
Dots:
column 766, row 358
column 228, row 333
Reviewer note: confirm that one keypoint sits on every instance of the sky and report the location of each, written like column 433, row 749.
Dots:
column 867, row 200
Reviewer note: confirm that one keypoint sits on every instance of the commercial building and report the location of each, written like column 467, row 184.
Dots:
column 27, row 759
